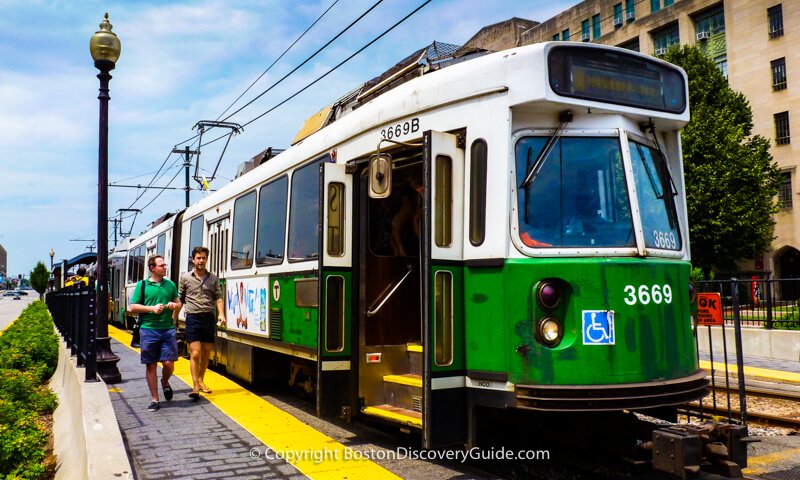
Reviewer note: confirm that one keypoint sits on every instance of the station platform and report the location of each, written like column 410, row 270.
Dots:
column 763, row 367
column 229, row 433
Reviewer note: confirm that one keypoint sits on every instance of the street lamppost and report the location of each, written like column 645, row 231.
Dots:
column 51, row 280
column 105, row 48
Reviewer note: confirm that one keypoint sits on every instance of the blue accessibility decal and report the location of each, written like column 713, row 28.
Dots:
column 598, row 327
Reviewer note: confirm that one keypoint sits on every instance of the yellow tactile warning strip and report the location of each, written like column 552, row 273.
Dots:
column 411, row 381
column 316, row 455
column 754, row 371
column 761, row 464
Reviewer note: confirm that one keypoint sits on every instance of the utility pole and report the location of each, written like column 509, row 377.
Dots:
column 186, row 164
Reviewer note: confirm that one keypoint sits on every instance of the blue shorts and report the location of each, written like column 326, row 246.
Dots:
column 158, row 345
column 201, row 327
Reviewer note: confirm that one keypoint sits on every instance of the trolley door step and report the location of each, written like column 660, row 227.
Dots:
column 408, row 379
column 395, row 415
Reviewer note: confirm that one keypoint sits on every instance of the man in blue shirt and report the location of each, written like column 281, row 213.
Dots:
column 158, row 341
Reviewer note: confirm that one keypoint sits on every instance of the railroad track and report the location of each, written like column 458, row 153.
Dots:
column 761, row 390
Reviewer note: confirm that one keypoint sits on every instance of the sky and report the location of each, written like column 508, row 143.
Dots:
column 181, row 62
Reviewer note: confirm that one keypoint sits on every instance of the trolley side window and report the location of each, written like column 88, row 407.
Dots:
column 443, row 228
column 578, row 197
column 477, row 193
column 656, row 196
column 161, row 244
column 272, row 222
column 304, row 213
column 195, row 237
column 244, row 231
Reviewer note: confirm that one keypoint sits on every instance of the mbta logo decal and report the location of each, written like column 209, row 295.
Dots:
column 598, row 327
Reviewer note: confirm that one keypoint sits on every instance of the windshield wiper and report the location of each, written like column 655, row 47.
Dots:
column 668, row 190
column 564, row 117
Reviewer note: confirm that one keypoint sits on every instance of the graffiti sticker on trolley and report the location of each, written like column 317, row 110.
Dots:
column 598, row 327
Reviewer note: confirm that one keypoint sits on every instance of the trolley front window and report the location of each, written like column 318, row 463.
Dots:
column 616, row 77
column 578, row 197
column 656, row 195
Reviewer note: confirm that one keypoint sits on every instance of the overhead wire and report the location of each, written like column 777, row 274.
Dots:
column 279, row 57
column 196, row 137
column 293, row 70
column 369, row 44
column 320, row 49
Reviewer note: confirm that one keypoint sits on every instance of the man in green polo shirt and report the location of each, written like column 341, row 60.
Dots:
column 158, row 341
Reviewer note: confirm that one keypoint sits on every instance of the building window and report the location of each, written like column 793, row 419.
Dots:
column 785, row 192
column 710, row 36
column 722, row 64
column 565, row 35
column 667, row 3
column 666, row 38
column 655, row 5
column 556, row 37
column 778, row 74
column 585, row 30
column 618, row 16
column 632, row 45
column 630, row 10
column 712, row 23
column 782, row 128
column 775, row 15
column 596, row 26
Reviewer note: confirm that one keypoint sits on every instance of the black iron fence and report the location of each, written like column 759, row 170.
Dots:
column 73, row 312
column 767, row 303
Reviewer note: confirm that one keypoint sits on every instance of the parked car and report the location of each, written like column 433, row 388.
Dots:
column 21, row 292
column 9, row 293
column 16, row 296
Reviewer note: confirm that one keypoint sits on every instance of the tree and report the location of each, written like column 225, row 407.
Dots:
column 40, row 276
column 731, row 178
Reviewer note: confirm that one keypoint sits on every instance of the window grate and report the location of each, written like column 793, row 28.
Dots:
column 778, row 74
column 785, row 192
column 775, row 15
column 782, row 133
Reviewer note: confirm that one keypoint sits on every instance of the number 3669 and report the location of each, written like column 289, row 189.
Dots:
column 645, row 294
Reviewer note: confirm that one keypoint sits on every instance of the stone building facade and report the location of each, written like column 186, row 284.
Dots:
column 749, row 40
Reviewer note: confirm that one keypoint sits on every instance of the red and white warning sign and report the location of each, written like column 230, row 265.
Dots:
column 709, row 309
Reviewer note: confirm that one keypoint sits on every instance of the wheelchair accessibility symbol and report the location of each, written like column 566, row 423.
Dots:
column 598, row 327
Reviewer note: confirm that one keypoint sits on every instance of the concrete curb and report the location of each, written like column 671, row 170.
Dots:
column 86, row 435
column 774, row 344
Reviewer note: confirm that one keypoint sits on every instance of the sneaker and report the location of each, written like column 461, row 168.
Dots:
column 153, row 406
column 167, row 392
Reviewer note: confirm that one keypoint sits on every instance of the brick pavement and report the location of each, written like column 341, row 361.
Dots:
column 184, row 439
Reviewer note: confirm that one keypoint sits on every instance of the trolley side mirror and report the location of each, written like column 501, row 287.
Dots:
column 380, row 175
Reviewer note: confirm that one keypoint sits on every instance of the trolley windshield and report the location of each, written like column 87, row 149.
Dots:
column 656, row 194
column 578, row 197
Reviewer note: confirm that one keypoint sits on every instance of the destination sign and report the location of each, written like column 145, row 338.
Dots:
column 616, row 77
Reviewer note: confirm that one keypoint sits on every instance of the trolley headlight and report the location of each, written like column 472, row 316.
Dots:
column 549, row 331
column 548, row 294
